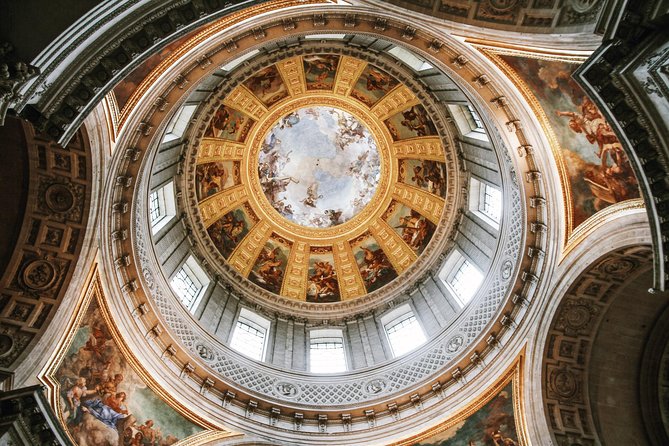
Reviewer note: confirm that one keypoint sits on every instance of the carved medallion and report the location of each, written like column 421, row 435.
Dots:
column 205, row 352
column 148, row 277
column 375, row 386
column 39, row 274
column 576, row 315
column 617, row 267
column 507, row 268
column 454, row 344
column 563, row 383
column 286, row 390
column 59, row 198
column 581, row 6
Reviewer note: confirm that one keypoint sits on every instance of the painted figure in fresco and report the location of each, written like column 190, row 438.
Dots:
column 232, row 227
column 592, row 124
column 97, row 340
column 323, row 284
column 609, row 183
column 224, row 122
column 378, row 81
column 262, row 82
column 375, row 266
column 415, row 230
column 226, row 232
column 110, row 386
column 334, row 216
column 320, row 67
column 95, row 406
column 500, row 440
column 74, row 396
column 148, row 432
column 269, row 269
column 210, row 179
column 103, row 412
column 416, row 121
column 117, row 402
column 272, row 186
column 430, row 176
column 312, row 195
column 350, row 130
column 289, row 120
column 137, row 440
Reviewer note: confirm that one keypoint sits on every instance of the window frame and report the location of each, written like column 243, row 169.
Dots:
column 477, row 202
column 166, row 206
column 451, row 268
column 253, row 321
column 327, row 335
column 397, row 316
column 192, row 269
column 179, row 122
column 467, row 121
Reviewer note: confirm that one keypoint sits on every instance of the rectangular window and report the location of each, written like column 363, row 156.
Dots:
column 250, row 335
column 179, row 123
column 189, row 283
column 161, row 206
column 403, row 330
column 476, row 124
column 486, row 202
column 186, row 286
column 491, row 204
column 326, row 352
column 156, row 210
column 466, row 281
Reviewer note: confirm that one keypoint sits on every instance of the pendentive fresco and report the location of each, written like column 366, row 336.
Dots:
column 104, row 402
column 598, row 172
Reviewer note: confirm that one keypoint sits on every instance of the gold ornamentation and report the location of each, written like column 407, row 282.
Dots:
column 303, row 238
column 245, row 254
column 425, row 203
column 216, row 206
column 292, row 72
column 424, row 148
column 398, row 252
column 350, row 281
column 294, row 231
column 214, row 149
column 295, row 281
column 243, row 100
column 398, row 99
column 347, row 74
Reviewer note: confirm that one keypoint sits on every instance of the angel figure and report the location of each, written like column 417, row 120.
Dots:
column 312, row 195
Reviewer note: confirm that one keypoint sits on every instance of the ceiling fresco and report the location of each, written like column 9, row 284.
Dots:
column 595, row 171
column 326, row 163
column 319, row 166
column 102, row 400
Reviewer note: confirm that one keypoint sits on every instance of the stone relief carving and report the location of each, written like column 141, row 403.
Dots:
column 286, row 390
column 375, row 386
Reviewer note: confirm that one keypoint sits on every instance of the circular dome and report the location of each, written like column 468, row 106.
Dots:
column 324, row 162
column 226, row 257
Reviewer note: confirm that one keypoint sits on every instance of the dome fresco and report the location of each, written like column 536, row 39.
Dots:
column 319, row 166
column 324, row 162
